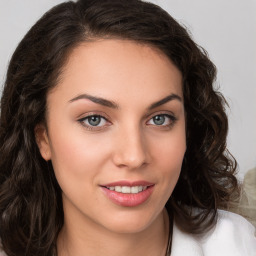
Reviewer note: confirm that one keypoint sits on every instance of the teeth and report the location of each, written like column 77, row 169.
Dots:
column 118, row 188
column 135, row 190
column 128, row 190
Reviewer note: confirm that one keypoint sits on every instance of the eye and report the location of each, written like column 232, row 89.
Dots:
column 162, row 120
column 93, row 121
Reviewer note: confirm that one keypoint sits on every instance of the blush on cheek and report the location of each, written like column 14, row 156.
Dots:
column 172, row 162
column 172, row 155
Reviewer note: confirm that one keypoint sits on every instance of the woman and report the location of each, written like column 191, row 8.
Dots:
column 113, row 139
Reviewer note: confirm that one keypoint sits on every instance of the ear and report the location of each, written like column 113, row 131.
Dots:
column 42, row 141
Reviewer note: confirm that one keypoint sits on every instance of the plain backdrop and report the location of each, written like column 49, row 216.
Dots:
column 225, row 28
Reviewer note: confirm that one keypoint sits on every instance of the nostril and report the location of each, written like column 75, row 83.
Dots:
column 130, row 161
column 130, row 150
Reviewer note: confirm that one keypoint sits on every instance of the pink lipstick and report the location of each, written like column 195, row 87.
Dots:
column 129, row 194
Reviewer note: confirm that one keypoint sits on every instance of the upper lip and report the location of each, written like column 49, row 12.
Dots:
column 128, row 183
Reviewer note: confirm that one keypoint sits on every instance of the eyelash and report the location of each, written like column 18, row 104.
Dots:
column 91, row 127
column 172, row 120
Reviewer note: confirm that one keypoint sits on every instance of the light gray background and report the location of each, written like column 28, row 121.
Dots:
column 225, row 28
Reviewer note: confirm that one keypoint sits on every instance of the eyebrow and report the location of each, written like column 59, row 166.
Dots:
column 111, row 104
column 165, row 100
column 97, row 100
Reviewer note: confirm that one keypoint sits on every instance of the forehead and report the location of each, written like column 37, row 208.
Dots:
column 119, row 68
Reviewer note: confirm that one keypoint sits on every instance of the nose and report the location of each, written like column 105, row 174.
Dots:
column 130, row 149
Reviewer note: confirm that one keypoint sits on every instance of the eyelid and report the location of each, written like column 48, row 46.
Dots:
column 81, row 119
column 93, row 113
column 169, row 114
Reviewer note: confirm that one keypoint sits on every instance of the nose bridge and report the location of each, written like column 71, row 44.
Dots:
column 131, row 150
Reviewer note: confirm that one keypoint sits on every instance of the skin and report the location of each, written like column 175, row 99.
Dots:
column 126, row 145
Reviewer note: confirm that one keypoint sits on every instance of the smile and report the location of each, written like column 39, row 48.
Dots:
column 127, row 189
column 128, row 194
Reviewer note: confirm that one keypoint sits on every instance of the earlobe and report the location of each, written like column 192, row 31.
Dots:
column 42, row 141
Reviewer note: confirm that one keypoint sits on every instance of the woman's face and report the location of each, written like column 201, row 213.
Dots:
column 115, row 126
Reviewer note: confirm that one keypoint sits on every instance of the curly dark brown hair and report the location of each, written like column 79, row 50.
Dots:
column 31, row 213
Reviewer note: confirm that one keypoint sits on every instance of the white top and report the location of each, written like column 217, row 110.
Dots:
column 232, row 236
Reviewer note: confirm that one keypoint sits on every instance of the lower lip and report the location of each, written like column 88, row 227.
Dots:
column 128, row 200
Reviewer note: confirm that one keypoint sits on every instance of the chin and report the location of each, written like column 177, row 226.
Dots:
column 131, row 222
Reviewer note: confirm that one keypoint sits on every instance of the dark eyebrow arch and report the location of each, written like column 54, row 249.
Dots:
column 165, row 100
column 97, row 100
column 110, row 104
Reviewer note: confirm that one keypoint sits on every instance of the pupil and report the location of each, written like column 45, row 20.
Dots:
column 94, row 120
column 159, row 120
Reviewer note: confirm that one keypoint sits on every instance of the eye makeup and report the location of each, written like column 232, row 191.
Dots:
column 165, row 120
column 96, row 122
column 162, row 119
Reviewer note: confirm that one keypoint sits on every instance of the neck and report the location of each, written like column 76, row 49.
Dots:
column 78, row 241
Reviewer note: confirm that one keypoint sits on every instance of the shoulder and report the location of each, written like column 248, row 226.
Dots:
column 236, row 226
column 232, row 236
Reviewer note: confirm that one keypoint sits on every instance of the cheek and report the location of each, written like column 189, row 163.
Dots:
column 171, row 162
column 169, row 154
column 75, row 156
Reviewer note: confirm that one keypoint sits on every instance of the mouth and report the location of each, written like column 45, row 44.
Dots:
column 128, row 189
column 128, row 194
